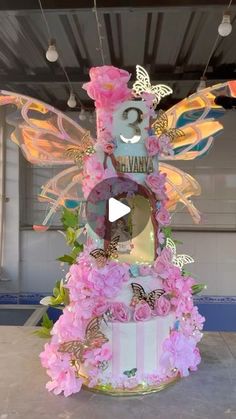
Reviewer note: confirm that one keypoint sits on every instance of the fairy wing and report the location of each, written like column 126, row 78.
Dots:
column 197, row 116
column 43, row 133
column 180, row 187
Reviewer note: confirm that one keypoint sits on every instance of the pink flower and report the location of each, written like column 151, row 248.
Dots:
column 165, row 145
column 163, row 216
column 108, row 86
column 179, row 352
column 62, row 374
column 162, row 264
column 152, row 145
column 156, row 183
column 145, row 270
column 101, row 307
column 69, row 326
column 108, row 148
column 142, row 312
column 162, row 306
column 108, row 281
column 120, row 312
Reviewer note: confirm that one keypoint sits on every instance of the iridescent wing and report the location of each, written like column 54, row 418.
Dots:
column 180, row 186
column 197, row 116
column 43, row 133
column 48, row 137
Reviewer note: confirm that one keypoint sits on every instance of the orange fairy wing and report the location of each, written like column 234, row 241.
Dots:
column 43, row 133
column 180, row 186
column 197, row 117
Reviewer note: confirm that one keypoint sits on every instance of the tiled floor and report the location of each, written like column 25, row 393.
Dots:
column 209, row 393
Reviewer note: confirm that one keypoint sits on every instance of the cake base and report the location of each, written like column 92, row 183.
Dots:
column 128, row 392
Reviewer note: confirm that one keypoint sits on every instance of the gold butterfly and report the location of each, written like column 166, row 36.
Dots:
column 139, row 294
column 160, row 126
column 101, row 256
column 80, row 151
column 94, row 338
column 143, row 85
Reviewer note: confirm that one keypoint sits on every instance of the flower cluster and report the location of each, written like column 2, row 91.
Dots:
column 158, row 145
column 108, row 86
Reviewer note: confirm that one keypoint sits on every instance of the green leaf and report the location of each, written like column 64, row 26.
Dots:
column 70, row 236
column 66, row 258
column 56, row 292
column 69, row 218
column 196, row 289
column 42, row 332
column 46, row 322
column 167, row 232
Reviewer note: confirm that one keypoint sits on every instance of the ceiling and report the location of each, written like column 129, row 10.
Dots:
column 172, row 42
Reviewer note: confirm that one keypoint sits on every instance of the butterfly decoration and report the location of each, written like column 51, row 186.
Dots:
column 143, row 85
column 160, row 126
column 47, row 137
column 139, row 294
column 130, row 373
column 94, row 338
column 178, row 260
column 101, row 256
column 82, row 150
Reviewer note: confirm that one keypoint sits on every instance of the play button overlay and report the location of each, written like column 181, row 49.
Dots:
column 118, row 206
column 117, row 210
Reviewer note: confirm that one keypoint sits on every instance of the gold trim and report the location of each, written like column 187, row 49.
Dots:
column 136, row 391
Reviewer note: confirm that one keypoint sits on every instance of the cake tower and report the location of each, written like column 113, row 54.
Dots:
column 130, row 326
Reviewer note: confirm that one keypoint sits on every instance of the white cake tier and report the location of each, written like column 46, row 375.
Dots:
column 149, row 283
column 136, row 345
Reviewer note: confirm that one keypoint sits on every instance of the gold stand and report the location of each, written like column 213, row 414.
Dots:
column 128, row 392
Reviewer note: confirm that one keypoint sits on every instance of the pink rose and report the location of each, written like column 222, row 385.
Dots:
column 156, row 183
column 142, row 312
column 163, row 216
column 108, row 86
column 165, row 145
column 162, row 306
column 120, row 312
column 152, row 145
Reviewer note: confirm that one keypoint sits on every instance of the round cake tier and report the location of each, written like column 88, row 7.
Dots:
column 136, row 351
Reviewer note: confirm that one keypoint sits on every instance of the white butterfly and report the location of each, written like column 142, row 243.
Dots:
column 178, row 260
column 143, row 85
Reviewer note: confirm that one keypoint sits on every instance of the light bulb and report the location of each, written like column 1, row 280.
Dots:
column 202, row 85
column 71, row 102
column 52, row 54
column 82, row 115
column 225, row 28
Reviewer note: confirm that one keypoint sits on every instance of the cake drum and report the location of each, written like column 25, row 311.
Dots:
column 140, row 390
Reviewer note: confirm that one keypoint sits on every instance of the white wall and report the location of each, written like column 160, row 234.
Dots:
column 214, row 252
